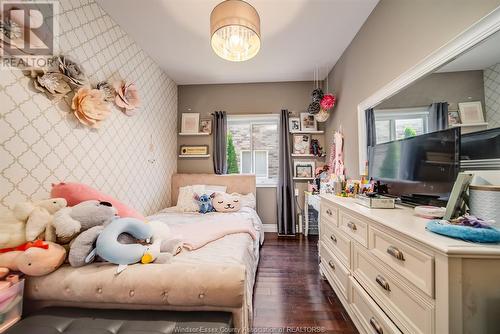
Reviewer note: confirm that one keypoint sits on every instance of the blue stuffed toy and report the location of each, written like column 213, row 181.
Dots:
column 205, row 203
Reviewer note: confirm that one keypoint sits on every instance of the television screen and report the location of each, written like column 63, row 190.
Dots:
column 481, row 145
column 421, row 166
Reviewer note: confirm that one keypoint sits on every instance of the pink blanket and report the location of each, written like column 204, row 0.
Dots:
column 198, row 234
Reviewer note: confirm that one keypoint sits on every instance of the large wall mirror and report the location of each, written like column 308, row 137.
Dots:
column 456, row 87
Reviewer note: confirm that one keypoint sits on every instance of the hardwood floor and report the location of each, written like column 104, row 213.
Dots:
column 289, row 292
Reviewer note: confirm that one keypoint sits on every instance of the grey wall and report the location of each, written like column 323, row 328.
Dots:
column 452, row 87
column 397, row 35
column 255, row 98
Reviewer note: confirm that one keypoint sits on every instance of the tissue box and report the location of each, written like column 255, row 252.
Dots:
column 11, row 305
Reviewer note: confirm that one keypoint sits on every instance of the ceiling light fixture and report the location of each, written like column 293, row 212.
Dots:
column 235, row 30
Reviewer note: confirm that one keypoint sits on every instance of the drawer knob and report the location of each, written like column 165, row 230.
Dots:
column 329, row 212
column 394, row 251
column 376, row 326
column 330, row 263
column 383, row 283
column 334, row 239
column 352, row 226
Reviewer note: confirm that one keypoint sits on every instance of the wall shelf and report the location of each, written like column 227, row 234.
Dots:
column 303, row 178
column 194, row 134
column 312, row 132
column 194, row 156
column 309, row 156
column 468, row 125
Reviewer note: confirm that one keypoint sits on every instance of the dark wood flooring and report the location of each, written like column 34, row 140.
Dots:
column 290, row 293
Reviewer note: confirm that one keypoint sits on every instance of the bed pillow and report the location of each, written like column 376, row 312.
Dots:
column 209, row 188
column 223, row 202
column 186, row 201
column 247, row 200
column 75, row 193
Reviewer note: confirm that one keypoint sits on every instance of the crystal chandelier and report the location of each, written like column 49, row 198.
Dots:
column 235, row 30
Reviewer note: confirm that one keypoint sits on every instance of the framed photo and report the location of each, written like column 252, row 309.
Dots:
column 190, row 122
column 304, row 168
column 453, row 118
column 206, row 126
column 307, row 122
column 194, row 149
column 471, row 112
column 294, row 124
column 301, row 144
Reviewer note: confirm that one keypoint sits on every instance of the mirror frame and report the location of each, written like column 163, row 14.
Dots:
column 475, row 34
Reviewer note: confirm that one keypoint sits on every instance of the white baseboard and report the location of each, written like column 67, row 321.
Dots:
column 270, row 228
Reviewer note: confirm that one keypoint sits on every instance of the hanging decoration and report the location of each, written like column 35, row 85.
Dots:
column 326, row 105
column 90, row 104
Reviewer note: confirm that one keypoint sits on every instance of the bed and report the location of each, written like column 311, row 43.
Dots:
column 217, row 277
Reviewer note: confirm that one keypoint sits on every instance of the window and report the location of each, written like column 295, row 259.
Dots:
column 252, row 147
column 394, row 124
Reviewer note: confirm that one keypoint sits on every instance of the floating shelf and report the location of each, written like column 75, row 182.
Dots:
column 194, row 134
column 303, row 178
column 194, row 155
column 298, row 155
column 467, row 125
column 312, row 132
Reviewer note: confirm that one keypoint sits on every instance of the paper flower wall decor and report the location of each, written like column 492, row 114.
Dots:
column 52, row 84
column 107, row 90
column 327, row 102
column 89, row 107
column 127, row 97
column 74, row 72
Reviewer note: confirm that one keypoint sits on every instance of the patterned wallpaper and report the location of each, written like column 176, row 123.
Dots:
column 492, row 95
column 131, row 158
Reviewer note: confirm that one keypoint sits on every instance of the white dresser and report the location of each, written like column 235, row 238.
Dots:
column 393, row 276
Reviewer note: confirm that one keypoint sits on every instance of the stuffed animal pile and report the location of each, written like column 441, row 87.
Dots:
column 219, row 202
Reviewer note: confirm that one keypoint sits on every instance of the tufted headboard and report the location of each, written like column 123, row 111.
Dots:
column 235, row 183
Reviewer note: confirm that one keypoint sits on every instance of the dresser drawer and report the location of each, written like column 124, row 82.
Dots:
column 369, row 314
column 353, row 227
column 335, row 271
column 337, row 242
column 410, row 310
column 329, row 213
column 408, row 262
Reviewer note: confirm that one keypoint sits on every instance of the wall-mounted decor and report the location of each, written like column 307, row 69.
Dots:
column 307, row 122
column 453, row 118
column 127, row 97
column 471, row 112
column 304, row 168
column 294, row 124
column 301, row 144
column 190, row 122
column 206, row 126
column 89, row 107
column 194, row 149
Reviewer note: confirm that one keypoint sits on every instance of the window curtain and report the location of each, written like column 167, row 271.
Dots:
column 285, row 190
column 219, row 142
column 371, row 136
column 438, row 116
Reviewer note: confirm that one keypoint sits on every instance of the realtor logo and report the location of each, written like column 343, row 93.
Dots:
column 27, row 33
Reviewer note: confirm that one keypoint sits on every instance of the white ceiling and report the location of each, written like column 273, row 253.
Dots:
column 297, row 37
column 479, row 57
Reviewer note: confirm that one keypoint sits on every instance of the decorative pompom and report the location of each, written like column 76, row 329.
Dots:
column 327, row 102
column 317, row 95
column 314, row 108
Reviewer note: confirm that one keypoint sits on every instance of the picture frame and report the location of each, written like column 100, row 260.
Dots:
column 190, row 122
column 471, row 112
column 193, row 150
column 301, row 144
column 294, row 124
column 206, row 126
column 308, row 122
column 453, row 118
column 304, row 169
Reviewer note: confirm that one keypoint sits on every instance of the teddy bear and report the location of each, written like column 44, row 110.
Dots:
column 28, row 221
column 71, row 221
column 35, row 259
column 223, row 202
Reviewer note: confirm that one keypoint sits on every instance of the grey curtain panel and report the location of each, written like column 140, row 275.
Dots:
column 438, row 116
column 285, row 191
column 219, row 142
column 371, row 136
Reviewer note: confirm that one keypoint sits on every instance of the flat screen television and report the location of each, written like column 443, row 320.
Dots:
column 481, row 145
column 420, row 169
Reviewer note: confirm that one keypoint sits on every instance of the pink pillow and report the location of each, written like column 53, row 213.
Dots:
column 75, row 193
